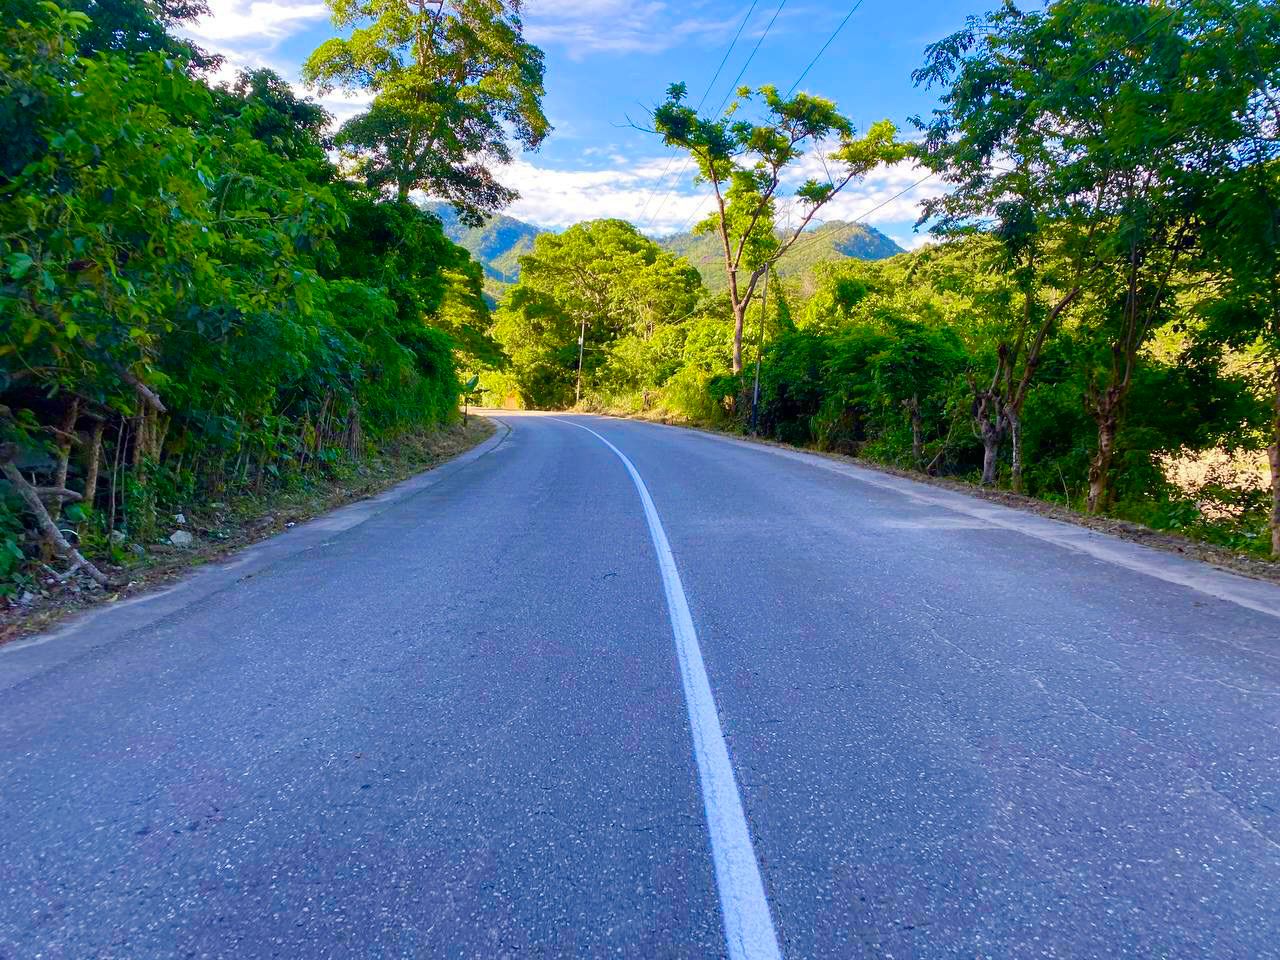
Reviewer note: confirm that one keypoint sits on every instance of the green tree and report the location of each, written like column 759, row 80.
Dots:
column 1097, row 114
column 189, row 294
column 746, row 164
column 452, row 82
column 1240, row 205
column 913, row 373
column 596, row 303
column 142, row 26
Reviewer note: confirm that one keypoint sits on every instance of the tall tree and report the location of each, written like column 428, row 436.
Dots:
column 747, row 164
column 1096, row 115
column 600, row 294
column 1241, row 207
column 452, row 82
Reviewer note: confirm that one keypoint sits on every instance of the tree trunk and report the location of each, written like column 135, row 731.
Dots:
column 990, row 455
column 354, row 440
column 739, row 319
column 986, row 413
column 1273, row 453
column 917, row 431
column 1014, row 420
column 1100, row 466
column 93, row 465
column 64, row 452
column 141, row 443
column 31, row 496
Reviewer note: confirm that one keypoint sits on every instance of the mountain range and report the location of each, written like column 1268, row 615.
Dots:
column 499, row 244
column 834, row 240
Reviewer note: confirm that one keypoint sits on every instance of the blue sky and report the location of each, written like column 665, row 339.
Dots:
column 608, row 61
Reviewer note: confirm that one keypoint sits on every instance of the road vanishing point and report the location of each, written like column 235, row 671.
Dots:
column 602, row 688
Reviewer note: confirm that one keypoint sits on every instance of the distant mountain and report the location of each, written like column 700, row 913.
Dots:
column 497, row 246
column 834, row 240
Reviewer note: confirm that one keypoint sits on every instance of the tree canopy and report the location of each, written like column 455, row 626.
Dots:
column 453, row 81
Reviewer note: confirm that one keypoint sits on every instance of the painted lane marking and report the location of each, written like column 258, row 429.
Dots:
column 748, row 925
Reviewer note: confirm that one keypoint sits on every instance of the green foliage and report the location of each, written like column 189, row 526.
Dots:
column 451, row 82
column 1092, row 132
column 184, row 274
column 142, row 26
column 618, row 290
column 12, row 535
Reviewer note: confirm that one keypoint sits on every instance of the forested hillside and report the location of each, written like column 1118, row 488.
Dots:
column 499, row 243
column 496, row 245
column 833, row 241
column 195, row 302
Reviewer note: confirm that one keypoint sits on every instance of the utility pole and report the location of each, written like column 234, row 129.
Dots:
column 755, row 393
column 582, row 337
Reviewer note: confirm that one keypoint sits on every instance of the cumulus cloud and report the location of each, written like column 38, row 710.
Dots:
column 649, row 193
column 345, row 104
column 559, row 198
column 891, row 194
column 912, row 241
column 255, row 20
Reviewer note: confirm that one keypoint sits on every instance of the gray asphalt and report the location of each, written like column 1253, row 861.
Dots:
column 449, row 723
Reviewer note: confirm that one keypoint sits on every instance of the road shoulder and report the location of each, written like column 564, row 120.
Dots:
column 104, row 623
column 1205, row 575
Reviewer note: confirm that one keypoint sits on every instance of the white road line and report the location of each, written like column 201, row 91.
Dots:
column 748, row 925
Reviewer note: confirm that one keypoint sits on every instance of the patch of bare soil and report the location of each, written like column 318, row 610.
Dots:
column 218, row 530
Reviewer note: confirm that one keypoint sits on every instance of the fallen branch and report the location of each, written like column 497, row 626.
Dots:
column 58, row 495
column 60, row 577
column 62, row 435
column 31, row 496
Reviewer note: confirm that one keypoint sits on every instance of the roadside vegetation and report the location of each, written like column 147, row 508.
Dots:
column 206, row 293
column 1096, row 322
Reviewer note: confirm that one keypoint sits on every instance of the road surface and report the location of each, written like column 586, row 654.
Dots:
column 466, row 720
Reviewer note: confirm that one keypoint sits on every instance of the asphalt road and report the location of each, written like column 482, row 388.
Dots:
column 464, row 720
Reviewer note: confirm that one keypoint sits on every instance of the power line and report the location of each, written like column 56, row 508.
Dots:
column 754, row 50
column 732, row 88
column 818, row 56
column 831, row 39
column 705, row 93
column 725, row 59
column 815, row 237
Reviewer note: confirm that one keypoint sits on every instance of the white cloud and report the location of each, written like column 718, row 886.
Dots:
column 638, row 192
column 912, row 241
column 246, row 34
column 561, row 198
column 891, row 194
column 345, row 104
column 255, row 20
